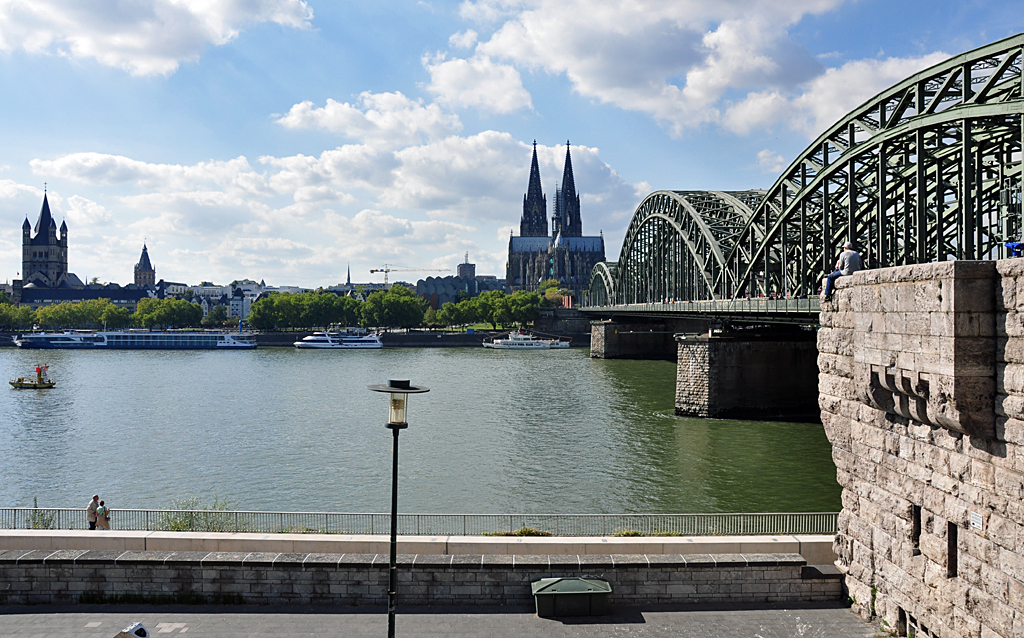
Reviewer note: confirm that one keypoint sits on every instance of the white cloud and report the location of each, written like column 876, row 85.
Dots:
column 770, row 161
column 143, row 37
column 388, row 119
column 477, row 83
column 104, row 169
column 839, row 90
column 296, row 215
column 463, row 40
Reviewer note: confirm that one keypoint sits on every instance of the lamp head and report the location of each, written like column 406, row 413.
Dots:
column 399, row 389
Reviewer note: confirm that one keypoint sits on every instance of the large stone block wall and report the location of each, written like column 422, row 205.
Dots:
column 722, row 377
column 70, row 576
column 922, row 396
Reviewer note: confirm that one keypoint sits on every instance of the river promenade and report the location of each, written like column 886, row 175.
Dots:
column 50, row 621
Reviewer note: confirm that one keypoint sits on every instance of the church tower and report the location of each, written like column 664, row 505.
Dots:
column 566, row 219
column 145, row 274
column 44, row 254
column 535, row 205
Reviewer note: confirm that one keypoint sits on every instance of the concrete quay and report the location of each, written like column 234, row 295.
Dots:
column 815, row 549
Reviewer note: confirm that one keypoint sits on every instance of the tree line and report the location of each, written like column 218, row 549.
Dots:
column 397, row 307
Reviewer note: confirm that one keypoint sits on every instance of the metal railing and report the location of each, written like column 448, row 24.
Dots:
column 429, row 524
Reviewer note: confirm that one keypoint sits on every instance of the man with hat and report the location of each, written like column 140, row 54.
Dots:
column 90, row 511
column 849, row 262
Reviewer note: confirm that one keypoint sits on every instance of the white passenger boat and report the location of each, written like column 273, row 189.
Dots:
column 339, row 341
column 135, row 340
column 524, row 341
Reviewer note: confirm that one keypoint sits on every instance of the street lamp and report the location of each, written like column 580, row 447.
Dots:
column 399, row 389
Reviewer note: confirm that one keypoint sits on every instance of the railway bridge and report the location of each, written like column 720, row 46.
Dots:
column 928, row 170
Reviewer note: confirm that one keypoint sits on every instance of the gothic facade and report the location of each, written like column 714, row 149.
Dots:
column 566, row 255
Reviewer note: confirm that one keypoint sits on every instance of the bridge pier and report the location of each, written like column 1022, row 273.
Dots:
column 648, row 339
column 763, row 373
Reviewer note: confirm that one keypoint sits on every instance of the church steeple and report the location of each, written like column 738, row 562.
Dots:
column 535, row 205
column 145, row 273
column 567, row 202
column 348, row 276
column 45, row 220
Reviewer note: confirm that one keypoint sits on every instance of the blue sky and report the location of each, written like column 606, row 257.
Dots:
column 283, row 140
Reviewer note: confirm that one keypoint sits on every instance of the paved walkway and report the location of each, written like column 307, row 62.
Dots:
column 106, row 621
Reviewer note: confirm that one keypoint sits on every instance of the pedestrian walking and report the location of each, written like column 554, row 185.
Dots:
column 848, row 263
column 102, row 516
column 90, row 511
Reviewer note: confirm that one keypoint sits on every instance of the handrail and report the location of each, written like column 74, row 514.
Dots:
column 429, row 524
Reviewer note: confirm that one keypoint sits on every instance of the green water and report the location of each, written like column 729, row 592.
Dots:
column 282, row 429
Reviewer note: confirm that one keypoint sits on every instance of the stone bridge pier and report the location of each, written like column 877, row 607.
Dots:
column 922, row 397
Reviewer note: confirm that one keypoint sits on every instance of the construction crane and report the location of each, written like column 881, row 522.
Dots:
column 388, row 269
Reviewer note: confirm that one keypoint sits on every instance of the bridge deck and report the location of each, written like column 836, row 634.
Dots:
column 787, row 310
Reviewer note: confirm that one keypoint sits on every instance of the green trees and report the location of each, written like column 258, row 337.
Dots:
column 397, row 307
column 95, row 313
column 217, row 316
column 493, row 307
column 304, row 310
column 167, row 313
column 16, row 318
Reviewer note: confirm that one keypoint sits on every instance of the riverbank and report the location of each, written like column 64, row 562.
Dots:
column 419, row 338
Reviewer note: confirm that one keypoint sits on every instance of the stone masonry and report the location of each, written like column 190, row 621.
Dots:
column 70, row 576
column 747, row 378
column 922, row 396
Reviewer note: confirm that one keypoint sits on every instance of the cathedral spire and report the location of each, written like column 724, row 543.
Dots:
column 567, row 202
column 534, row 222
column 348, row 276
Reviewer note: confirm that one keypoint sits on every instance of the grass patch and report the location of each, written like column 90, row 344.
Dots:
column 633, row 532
column 522, row 531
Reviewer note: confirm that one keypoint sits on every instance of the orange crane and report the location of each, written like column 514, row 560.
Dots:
column 388, row 269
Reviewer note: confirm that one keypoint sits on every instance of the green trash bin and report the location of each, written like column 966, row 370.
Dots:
column 575, row 596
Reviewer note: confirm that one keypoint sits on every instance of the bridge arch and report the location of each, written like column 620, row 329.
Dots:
column 927, row 170
column 677, row 243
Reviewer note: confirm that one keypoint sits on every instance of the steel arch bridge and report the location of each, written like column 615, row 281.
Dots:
column 928, row 170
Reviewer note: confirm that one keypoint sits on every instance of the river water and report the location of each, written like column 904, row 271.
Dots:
column 499, row 432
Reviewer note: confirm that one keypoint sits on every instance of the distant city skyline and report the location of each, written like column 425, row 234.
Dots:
column 283, row 140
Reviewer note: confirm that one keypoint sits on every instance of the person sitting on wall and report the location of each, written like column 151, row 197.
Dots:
column 848, row 263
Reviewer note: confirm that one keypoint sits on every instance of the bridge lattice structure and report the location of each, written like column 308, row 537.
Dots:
column 927, row 170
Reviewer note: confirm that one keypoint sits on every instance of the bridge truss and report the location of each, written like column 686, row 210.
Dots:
column 928, row 170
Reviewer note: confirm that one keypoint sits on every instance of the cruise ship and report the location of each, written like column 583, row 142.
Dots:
column 136, row 340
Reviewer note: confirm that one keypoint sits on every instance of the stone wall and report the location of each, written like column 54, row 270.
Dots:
column 750, row 378
column 71, row 576
column 922, row 396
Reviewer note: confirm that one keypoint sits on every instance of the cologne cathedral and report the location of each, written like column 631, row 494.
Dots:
column 566, row 255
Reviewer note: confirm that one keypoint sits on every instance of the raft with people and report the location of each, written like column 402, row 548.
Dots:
column 41, row 381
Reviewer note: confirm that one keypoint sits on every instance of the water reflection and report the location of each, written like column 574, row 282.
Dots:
column 499, row 432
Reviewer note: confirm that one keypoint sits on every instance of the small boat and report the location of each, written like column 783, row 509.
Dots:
column 524, row 341
column 41, row 382
column 340, row 341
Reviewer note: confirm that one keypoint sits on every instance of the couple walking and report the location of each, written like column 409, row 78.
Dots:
column 97, row 513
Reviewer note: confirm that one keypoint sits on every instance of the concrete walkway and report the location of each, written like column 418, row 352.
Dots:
column 106, row 621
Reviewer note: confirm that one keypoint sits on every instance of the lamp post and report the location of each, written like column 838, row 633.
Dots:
column 399, row 389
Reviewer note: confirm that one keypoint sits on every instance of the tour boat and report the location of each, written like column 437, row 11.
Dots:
column 136, row 340
column 41, row 382
column 524, row 341
column 339, row 341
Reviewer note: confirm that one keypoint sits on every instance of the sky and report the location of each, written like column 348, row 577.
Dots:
column 287, row 140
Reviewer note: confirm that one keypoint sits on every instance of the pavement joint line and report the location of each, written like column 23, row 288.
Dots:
column 48, row 556
column 119, row 557
column 339, row 560
column 250, row 554
column 648, row 560
column 168, row 557
column 276, row 556
column 303, row 562
column 204, row 558
column 714, row 559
